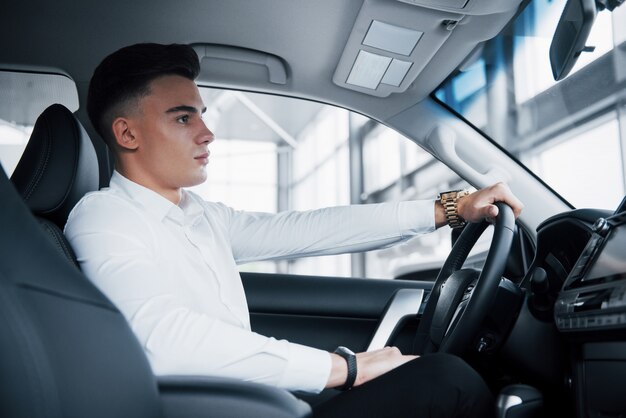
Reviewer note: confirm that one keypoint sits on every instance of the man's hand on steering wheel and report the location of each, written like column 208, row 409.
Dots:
column 480, row 205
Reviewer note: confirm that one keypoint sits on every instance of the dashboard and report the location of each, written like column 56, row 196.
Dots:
column 560, row 242
column 577, row 285
column 580, row 270
column 593, row 296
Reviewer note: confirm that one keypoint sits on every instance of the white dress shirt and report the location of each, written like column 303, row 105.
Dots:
column 171, row 270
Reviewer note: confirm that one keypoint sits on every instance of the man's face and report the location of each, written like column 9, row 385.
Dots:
column 172, row 138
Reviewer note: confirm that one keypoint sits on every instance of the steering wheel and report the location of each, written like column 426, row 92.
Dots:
column 461, row 298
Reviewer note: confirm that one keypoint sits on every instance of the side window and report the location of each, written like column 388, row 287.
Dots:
column 274, row 153
column 397, row 169
column 23, row 96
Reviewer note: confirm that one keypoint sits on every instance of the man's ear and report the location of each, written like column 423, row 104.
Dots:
column 124, row 135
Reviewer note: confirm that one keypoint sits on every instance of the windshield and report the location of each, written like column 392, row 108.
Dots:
column 570, row 133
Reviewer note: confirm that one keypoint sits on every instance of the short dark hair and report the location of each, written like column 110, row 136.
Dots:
column 124, row 77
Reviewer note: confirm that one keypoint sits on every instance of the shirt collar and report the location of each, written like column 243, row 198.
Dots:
column 151, row 201
column 191, row 208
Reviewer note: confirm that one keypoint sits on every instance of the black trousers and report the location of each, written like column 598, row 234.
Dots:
column 434, row 385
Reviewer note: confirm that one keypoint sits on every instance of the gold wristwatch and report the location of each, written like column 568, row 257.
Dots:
column 449, row 201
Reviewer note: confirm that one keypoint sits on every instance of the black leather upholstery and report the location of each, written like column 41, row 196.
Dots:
column 57, row 238
column 65, row 350
column 194, row 397
column 58, row 166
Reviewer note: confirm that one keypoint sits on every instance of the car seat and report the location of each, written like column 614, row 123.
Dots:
column 65, row 349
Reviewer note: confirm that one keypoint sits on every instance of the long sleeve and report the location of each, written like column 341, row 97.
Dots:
column 260, row 236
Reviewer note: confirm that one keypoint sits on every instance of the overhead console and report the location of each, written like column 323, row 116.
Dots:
column 387, row 49
column 593, row 297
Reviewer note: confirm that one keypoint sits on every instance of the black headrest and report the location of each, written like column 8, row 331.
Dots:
column 58, row 166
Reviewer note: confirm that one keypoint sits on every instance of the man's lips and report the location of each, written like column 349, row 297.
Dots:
column 203, row 158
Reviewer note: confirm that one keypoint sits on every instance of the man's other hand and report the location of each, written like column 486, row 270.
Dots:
column 369, row 365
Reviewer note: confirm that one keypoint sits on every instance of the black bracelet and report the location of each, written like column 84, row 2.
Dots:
column 350, row 358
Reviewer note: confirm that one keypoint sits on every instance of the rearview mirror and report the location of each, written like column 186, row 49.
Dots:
column 570, row 36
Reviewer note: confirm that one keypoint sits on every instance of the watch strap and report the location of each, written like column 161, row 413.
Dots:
column 350, row 358
column 449, row 200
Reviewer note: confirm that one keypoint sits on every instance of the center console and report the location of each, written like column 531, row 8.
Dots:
column 591, row 311
column 594, row 294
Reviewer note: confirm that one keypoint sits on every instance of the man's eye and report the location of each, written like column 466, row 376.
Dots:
column 183, row 119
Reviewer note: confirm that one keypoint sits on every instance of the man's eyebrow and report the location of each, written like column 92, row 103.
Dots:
column 185, row 108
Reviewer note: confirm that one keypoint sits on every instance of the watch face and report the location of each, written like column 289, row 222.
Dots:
column 448, row 195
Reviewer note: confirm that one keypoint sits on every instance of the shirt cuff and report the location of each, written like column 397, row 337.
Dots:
column 308, row 369
column 416, row 217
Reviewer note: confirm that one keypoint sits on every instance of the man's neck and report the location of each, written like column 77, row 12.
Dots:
column 174, row 195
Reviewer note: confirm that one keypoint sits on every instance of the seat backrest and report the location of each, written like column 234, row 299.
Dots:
column 57, row 168
column 65, row 350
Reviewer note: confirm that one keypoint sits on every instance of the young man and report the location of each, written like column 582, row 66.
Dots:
column 167, row 258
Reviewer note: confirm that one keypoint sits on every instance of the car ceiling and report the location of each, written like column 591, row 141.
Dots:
column 308, row 36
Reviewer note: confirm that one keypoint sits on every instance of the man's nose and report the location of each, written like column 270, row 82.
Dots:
column 206, row 135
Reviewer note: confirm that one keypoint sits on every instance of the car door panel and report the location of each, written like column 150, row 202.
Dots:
column 325, row 312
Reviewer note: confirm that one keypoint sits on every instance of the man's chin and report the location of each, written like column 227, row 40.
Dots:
column 195, row 181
